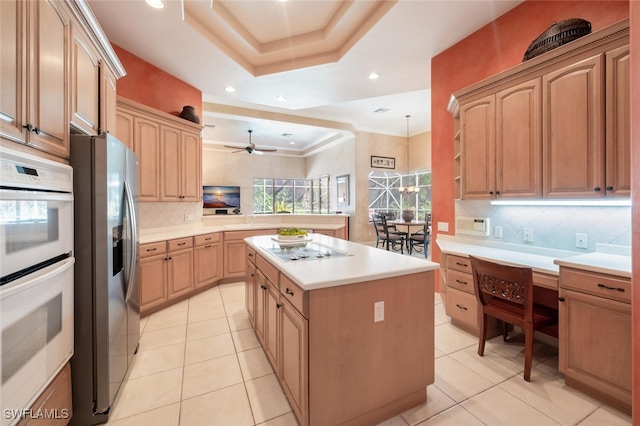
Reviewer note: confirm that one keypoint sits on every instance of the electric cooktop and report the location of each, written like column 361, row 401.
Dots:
column 302, row 252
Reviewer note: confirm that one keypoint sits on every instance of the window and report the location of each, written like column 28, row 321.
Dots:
column 384, row 195
column 271, row 195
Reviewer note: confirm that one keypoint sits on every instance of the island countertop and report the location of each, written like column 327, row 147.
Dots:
column 362, row 263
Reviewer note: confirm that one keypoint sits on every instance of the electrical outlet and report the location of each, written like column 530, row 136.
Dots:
column 443, row 226
column 527, row 235
column 581, row 241
column 188, row 217
column 497, row 231
column 378, row 311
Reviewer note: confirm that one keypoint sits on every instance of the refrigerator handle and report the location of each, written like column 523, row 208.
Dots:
column 133, row 239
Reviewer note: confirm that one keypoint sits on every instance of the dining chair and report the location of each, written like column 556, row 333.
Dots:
column 388, row 239
column 420, row 240
column 506, row 293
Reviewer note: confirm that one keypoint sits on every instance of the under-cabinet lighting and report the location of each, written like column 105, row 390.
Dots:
column 584, row 203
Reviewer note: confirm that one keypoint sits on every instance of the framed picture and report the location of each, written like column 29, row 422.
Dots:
column 342, row 189
column 383, row 162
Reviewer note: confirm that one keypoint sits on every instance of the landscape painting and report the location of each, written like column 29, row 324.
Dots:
column 220, row 197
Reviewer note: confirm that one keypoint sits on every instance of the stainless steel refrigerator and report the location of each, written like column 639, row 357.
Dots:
column 107, row 295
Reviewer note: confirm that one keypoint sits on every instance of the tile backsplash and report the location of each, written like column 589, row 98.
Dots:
column 553, row 226
column 153, row 215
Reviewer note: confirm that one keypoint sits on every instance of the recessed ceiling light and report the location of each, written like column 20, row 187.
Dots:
column 292, row 143
column 374, row 76
column 281, row 98
column 156, row 4
column 230, row 89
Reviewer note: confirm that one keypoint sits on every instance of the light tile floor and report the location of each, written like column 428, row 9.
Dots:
column 199, row 363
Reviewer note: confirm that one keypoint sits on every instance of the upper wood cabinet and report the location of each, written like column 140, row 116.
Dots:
column 85, row 65
column 34, row 100
column 502, row 147
column 169, row 149
column 618, row 132
column 556, row 126
column 573, row 130
column 108, row 99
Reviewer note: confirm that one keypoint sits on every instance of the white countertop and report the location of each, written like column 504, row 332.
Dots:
column 153, row 235
column 365, row 263
column 606, row 260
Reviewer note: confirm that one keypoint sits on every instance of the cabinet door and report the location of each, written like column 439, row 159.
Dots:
column 190, row 167
column 234, row 258
column 250, row 282
column 519, row 141
column 147, row 137
column 208, row 264
column 108, row 101
column 12, row 69
column 124, row 129
column 618, row 145
column 48, row 105
column 272, row 326
column 595, row 345
column 153, row 281
column 180, row 272
column 84, row 85
column 477, row 121
column 294, row 330
column 573, row 130
column 170, row 164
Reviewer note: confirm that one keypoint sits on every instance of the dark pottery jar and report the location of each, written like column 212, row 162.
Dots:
column 189, row 113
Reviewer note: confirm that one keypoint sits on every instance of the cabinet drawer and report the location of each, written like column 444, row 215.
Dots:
column 180, row 243
column 546, row 281
column 607, row 286
column 241, row 235
column 151, row 249
column 459, row 263
column 294, row 294
column 462, row 307
column 267, row 269
column 201, row 240
column 251, row 255
column 461, row 281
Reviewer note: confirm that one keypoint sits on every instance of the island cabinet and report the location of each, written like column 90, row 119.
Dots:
column 595, row 335
column 169, row 149
column 538, row 129
column 334, row 363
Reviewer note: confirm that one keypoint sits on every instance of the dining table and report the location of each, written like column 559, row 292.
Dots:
column 408, row 225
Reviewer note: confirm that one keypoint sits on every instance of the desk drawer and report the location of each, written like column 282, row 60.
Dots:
column 459, row 263
column 607, row 286
column 462, row 307
column 461, row 281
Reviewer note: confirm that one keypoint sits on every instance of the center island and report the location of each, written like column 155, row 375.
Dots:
column 348, row 328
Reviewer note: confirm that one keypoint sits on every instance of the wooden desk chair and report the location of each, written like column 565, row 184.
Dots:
column 420, row 240
column 506, row 293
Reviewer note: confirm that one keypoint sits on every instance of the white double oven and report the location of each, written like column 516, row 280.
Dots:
column 36, row 276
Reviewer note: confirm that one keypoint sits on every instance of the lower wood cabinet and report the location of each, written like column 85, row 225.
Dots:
column 207, row 259
column 235, row 254
column 180, row 267
column 595, row 335
column 55, row 402
column 153, row 276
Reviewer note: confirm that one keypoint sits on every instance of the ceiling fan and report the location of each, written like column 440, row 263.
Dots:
column 251, row 148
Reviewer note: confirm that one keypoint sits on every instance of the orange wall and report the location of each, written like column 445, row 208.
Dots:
column 635, row 224
column 494, row 48
column 151, row 86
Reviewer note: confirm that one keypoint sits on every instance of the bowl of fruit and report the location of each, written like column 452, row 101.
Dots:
column 292, row 234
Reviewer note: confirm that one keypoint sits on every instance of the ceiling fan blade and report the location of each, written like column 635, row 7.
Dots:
column 266, row 150
column 257, row 152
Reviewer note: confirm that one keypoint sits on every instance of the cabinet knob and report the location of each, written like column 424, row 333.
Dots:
column 490, row 192
column 596, row 189
column 561, row 299
column 29, row 127
column 278, row 305
column 262, row 286
column 289, row 291
column 609, row 188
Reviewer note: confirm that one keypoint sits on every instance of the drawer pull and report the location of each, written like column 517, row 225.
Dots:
column 262, row 286
column 289, row 291
column 561, row 299
column 250, row 255
column 181, row 244
column 152, row 249
column 461, row 307
column 461, row 282
column 461, row 264
column 207, row 246
column 278, row 305
column 207, row 239
column 610, row 288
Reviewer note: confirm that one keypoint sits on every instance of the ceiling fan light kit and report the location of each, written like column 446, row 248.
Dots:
column 251, row 148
